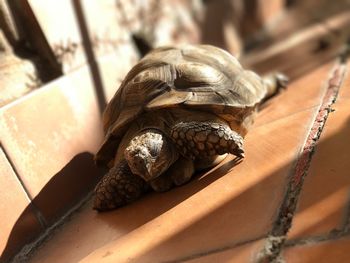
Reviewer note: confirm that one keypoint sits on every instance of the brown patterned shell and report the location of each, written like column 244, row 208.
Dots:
column 201, row 77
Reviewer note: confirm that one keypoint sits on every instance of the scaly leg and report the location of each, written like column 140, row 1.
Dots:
column 179, row 173
column 197, row 140
column 118, row 187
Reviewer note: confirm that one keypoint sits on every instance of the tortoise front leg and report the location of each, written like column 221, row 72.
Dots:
column 178, row 174
column 199, row 140
column 118, row 187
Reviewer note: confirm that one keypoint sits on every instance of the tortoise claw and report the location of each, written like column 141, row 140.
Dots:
column 239, row 153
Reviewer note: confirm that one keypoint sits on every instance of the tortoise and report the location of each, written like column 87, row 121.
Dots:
column 179, row 110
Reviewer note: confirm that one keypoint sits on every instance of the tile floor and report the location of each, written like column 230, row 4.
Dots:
column 28, row 228
column 320, row 231
column 237, row 212
column 226, row 214
column 43, row 135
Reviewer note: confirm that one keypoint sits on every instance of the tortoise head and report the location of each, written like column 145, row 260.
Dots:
column 149, row 154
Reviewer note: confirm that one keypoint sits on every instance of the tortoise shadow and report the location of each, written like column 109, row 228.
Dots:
column 64, row 190
column 72, row 184
column 152, row 205
column 165, row 200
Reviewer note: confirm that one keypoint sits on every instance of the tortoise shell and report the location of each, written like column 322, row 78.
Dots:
column 200, row 77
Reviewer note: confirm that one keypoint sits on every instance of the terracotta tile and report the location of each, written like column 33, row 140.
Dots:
column 184, row 219
column 56, row 31
column 300, row 94
column 326, row 188
column 18, row 222
column 332, row 251
column 50, row 136
column 244, row 253
column 248, row 194
column 74, row 238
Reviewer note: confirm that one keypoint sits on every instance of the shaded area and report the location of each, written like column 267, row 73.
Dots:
column 32, row 43
column 89, row 52
column 142, row 45
column 233, row 212
column 300, row 15
column 336, row 177
column 89, row 225
column 239, row 25
column 195, row 239
column 339, row 151
column 72, row 183
column 139, row 213
column 320, row 252
column 288, row 208
column 225, row 211
column 24, row 231
column 201, row 230
column 145, row 208
column 62, row 192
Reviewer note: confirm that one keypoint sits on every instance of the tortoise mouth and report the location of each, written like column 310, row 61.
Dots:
column 146, row 165
column 140, row 162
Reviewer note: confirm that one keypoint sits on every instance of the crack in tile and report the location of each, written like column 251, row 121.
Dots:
column 277, row 237
column 27, row 251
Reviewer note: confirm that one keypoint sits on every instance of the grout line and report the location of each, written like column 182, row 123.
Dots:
column 335, row 234
column 89, row 52
column 346, row 219
column 277, row 237
column 40, row 217
column 16, row 172
column 213, row 251
column 27, row 251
